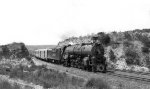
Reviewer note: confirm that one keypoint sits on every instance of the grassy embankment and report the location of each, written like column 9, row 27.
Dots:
column 48, row 78
column 7, row 85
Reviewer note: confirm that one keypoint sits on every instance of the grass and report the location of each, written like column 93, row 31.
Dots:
column 49, row 78
column 96, row 83
column 7, row 85
column 40, row 75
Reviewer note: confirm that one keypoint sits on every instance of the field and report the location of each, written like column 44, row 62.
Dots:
column 40, row 75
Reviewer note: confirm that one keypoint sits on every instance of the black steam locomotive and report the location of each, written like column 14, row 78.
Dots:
column 88, row 56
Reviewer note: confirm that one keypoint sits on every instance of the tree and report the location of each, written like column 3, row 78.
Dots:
column 103, row 38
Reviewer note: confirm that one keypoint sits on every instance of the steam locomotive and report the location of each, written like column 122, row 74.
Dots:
column 87, row 56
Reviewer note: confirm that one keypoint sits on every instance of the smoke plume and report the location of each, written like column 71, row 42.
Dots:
column 68, row 34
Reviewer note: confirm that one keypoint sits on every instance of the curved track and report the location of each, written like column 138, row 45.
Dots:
column 128, row 71
column 132, row 76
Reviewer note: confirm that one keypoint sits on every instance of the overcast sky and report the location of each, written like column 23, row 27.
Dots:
column 36, row 22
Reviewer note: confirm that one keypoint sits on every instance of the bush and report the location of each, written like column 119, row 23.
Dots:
column 17, row 72
column 132, row 57
column 144, row 39
column 128, row 36
column 7, row 85
column 97, row 84
column 127, row 43
column 103, row 38
column 52, row 79
column 14, row 50
column 5, row 51
column 145, row 49
column 40, row 75
column 112, row 56
column 147, row 59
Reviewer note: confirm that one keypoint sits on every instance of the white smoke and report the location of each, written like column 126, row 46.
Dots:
column 71, row 43
column 67, row 34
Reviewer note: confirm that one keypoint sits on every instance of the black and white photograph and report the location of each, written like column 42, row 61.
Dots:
column 74, row 44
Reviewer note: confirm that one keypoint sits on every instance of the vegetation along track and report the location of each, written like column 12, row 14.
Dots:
column 132, row 76
column 145, row 77
column 59, row 68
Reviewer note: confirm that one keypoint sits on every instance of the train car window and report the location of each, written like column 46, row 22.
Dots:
column 40, row 53
column 44, row 54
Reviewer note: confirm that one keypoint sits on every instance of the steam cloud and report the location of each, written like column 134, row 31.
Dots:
column 68, row 34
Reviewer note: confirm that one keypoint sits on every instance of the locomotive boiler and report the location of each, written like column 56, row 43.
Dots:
column 88, row 56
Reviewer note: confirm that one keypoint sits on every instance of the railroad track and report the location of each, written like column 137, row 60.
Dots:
column 128, row 71
column 131, row 76
column 127, row 75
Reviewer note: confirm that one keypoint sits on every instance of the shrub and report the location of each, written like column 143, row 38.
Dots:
column 14, row 50
column 40, row 75
column 127, row 36
column 127, row 43
column 17, row 72
column 145, row 49
column 5, row 51
column 103, row 38
column 147, row 59
column 52, row 79
column 97, row 83
column 132, row 57
column 77, row 81
column 7, row 85
column 112, row 56
column 144, row 39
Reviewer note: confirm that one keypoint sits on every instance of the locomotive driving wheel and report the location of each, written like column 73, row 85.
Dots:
column 101, row 68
